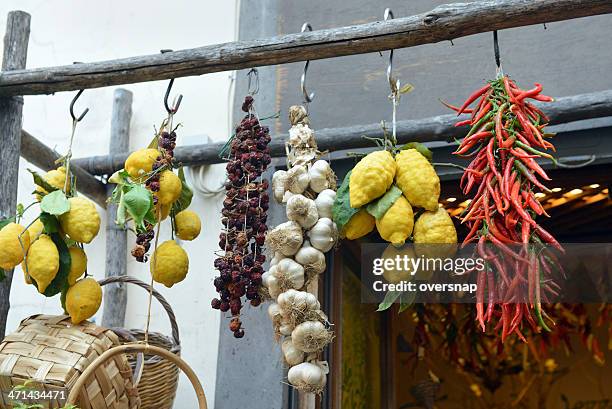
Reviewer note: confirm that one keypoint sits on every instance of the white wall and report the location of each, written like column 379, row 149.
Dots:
column 72, row 30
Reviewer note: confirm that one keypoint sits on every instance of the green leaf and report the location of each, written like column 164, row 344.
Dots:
column 406, row 89
column 121, row 216
column 40, row 181
column 60, row 282
column 186, row 196
column 55, row 203
column 390, row 298
column 422, row 149
column 2, row 275
column 154, row 144
column 138, row 202
column 379, row 207
column 50, row 223
column 342, row 210
column 406, row 301
column 4, row 222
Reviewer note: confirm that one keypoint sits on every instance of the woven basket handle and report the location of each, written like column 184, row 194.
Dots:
column 146, row 349
column 157, row 295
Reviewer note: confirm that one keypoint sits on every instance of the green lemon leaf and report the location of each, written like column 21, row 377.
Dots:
column 390, row 298
column 60, row 282
column 121, row 216
column 342, row 210
column 2, row 274
column 40, row 181
column 379, row 207
column 4, row 222
column 422, row 149
column 138, row 202
column 186, row 196
column 55, row 203
column 406, row 89
column 406, row 301
column 50, row 223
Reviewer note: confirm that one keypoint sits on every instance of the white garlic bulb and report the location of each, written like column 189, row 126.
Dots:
column 323, row 234
column 312, row 259
column 279, row 184
column 311, row 336
column 302, row 210
column 321, row 176
column 289, row 274
column 325, row 203
column 285, row 238
column 298, row 179
column 292, row 355
column 293, row 301
column 309, row 377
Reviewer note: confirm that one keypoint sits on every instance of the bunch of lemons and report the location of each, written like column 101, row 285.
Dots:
column 395, row 186
column 153, row 169
column 50, row 250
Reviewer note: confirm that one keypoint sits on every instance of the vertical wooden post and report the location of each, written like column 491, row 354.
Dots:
column 16, row 40
column 115, row 295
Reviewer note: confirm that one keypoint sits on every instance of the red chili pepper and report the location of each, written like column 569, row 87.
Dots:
column 547, row 237
column 506, row 178
column 491, row 158
column 463, row 123
column 543, row 98
column 537, row 110
column 491, row 294
column 531, row 163
column 473, row 98
column 493, row 190
column 525, row 231
column 475, row 226
column 454, row 108
column 517, row 205
column 498, row 124
column 482, row 112
column 480, row 288
column 529, row 93
column 530, row 176
column 507, row 87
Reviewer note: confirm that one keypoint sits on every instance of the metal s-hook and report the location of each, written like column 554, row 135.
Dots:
column 308, row 98
column 253, row 77
column 74, row 117
column 174, row 109
column 394, row 83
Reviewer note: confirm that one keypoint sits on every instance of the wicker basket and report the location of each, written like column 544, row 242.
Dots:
column 148, row 350
column 52, row 353
column 158, row 380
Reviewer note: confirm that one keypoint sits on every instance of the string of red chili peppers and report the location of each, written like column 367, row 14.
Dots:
column 506, row 136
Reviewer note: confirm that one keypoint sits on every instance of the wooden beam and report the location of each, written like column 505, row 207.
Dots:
column 445, row 22
column 438, row 128
column 115, row 295
column 15, row 53
column 43, row 157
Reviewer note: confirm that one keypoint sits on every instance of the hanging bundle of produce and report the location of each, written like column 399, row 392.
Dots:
column 150, row 189
column 244, row 219
column 51, row 248
column 308, row 189
column 506, row 137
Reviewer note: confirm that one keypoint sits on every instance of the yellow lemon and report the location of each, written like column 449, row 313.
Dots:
column 396, row 224
column 435, row 227
column 164, row 211
column 42, row 262
column 360, row 224
column 82, row 222
column 56, row 178
column 35, row 229
column 417, row 179
column 188, row 225
column 170, row 187
column 396, row 272
column 83, row 300
column 26, row 276
column 78, row 264
column 11, row 252
column 371, row 178
column 169, row 264
column 139, row 163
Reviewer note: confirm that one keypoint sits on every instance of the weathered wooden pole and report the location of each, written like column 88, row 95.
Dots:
column 115, row 295
column 15, row 53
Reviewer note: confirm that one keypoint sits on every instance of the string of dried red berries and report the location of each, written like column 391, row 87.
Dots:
column 244, row 219
column 166, row 144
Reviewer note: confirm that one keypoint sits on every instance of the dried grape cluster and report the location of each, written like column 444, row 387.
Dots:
column 166, row 145
column 244, row 219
